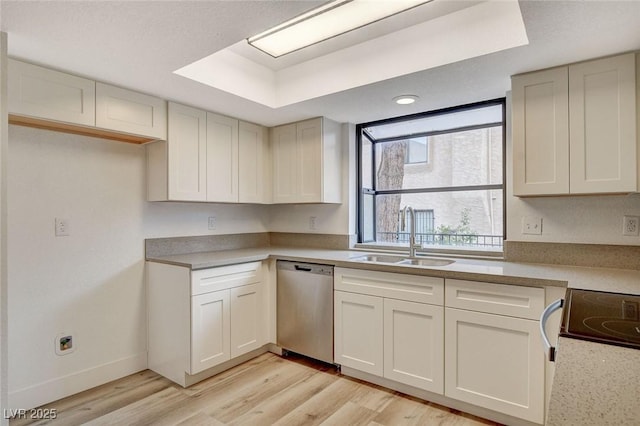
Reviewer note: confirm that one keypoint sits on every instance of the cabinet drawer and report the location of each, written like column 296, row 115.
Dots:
column 414, row 288
column 511, row 300
column 224, row 277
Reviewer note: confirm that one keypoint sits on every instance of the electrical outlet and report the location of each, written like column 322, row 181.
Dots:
column 630, row 226
column 62, row 227
column 212, row 223
column 313, row 221
column 64, row 344
column 532, row 225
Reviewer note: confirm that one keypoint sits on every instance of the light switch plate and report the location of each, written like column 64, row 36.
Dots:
column 62, row 227
column 532, row 225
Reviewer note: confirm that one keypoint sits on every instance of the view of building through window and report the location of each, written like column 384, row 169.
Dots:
column 447, row 165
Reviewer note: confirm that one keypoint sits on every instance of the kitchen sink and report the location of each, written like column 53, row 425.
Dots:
column 379, row 258
column 426, row 262
column 399, row 260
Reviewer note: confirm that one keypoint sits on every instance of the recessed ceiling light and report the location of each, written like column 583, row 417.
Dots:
column 405, row 99
column 327, row 21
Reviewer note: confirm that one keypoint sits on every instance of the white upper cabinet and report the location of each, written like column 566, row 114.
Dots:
column 602, row 117
column 307, row 164
column 254, row 165
column 209, row 158
column 130, row 112
column 186, row 150
column 541, row 152
column 283, row 144
column 575, row 129
column 222, row 158
column 53, row 100
column 52, row 95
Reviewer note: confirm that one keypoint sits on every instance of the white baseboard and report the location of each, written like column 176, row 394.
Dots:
column 61, row 387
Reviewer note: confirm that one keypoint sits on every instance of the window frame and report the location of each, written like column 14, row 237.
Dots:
column 407, row 160
column 362, row 192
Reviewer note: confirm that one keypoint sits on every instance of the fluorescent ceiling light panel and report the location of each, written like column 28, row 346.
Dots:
column 325, row 22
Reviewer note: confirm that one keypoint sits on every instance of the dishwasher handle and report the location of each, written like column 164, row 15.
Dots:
column 304, row 268
column 554, row 306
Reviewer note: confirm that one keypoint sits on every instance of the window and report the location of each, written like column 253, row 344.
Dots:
column 447, row 164
column 417, row 151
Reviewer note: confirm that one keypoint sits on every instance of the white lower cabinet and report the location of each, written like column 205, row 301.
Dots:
column 210, row 333
column 379, row 331
column 473, row 345
column 201, row 319
column 495, row 360
column 358, row 338
column 413, row 336
column 247, row 319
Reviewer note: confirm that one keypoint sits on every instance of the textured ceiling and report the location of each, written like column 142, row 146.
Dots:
column 138, row 44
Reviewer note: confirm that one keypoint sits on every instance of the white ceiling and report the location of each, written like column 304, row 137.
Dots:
column 138, row 44
column 449, row 36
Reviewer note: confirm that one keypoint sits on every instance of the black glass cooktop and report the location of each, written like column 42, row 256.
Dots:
column 602, row 317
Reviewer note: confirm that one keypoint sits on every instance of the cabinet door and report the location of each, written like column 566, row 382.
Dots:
column 283, row 143
column 358, row 332
column 309, row 160
column 541, row 133
column 222, row 158
column 496, row 362
column 210, row 331
column 187, row 151
column 602, row 104
column 130, row 112
column 414, row 344
column 253, row 167
column 43, row 93
column 246, row 319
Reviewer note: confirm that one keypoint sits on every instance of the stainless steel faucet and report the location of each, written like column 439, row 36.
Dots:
column 413, row 245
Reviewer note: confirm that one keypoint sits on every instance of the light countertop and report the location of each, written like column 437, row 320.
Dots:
column 530, row 274
column 595, row 384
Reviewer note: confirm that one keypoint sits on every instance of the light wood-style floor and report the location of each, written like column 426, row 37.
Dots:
column 267, row 390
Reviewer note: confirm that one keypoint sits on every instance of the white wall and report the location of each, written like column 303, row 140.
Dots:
column 4, row 382
column 91, row 282
column 589, row 219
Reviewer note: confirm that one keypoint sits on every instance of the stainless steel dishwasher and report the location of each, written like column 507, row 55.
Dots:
column 305, row 309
